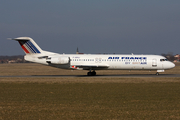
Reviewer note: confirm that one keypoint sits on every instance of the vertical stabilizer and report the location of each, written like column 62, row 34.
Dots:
column 28, row 45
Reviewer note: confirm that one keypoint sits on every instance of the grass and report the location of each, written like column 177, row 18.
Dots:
column 38, row 69
column 23, row 100
column 86, row 98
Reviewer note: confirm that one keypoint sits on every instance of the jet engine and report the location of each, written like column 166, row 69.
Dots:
column 58, row 60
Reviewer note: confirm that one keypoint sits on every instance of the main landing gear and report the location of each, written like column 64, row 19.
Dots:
column 93, row 73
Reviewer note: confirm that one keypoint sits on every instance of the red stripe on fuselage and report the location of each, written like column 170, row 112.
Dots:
column 25, row 50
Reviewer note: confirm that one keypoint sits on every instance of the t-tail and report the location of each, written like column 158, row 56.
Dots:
column 28, row 45
column 33, row 52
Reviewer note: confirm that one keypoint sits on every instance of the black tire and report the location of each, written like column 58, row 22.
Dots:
column 93, row 73
column 89, row 73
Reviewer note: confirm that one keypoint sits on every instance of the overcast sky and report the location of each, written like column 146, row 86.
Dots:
column 94, row 26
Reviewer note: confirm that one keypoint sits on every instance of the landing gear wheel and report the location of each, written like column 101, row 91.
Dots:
column 157, row 73
column 94, row 73
column 91, row 73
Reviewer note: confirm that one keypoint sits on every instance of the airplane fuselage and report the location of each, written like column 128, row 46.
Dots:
column 135, row 62
column 92, row 62
column 100, row 62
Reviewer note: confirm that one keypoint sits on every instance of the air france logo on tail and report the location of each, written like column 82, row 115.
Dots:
column 28, row 47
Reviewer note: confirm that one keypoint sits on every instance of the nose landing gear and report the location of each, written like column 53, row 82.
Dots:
column 157, row 73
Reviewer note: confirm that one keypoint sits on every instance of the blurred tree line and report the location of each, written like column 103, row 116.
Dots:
column 12, row 59
column 169, row 56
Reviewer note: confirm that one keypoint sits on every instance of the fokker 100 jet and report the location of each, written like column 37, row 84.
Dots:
column 92, row 62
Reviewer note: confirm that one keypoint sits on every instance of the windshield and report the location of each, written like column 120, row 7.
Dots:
column 163, row 60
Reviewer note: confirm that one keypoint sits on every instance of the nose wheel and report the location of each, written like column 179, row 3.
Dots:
column 93, row 73
column 157, row 73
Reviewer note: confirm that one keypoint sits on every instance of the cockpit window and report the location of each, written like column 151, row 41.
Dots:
column 163, row 60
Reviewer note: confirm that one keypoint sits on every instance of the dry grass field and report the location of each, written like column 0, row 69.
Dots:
column 88, row 98
column 38, row 69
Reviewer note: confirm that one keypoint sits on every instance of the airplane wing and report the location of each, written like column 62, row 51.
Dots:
column 90, row 67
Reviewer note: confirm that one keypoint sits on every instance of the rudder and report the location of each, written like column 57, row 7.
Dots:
column 28, row 45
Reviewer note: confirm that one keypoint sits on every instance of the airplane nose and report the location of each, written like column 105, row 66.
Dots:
column 172, row 65
column 169, row 65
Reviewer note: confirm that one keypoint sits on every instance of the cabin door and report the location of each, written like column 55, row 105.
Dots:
column 154, row 62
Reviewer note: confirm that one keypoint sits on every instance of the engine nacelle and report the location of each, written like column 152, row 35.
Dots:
column 58, row 60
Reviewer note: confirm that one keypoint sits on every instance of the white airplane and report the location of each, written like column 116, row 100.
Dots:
column 92, row 62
